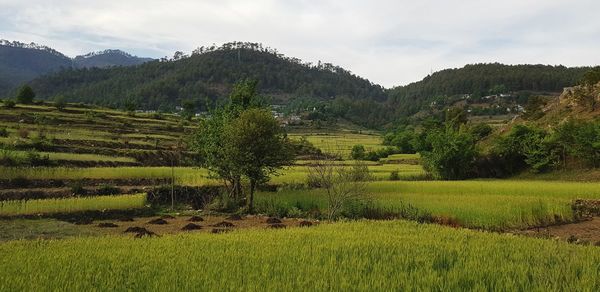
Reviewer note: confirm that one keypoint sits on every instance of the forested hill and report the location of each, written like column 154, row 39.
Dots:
column 208, row 73
column 481, row 80
column 20, row 62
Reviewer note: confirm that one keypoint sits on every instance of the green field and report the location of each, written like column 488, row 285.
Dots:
column 382, row 256
column 69, row 205
column 496, row 204
column 341, row 142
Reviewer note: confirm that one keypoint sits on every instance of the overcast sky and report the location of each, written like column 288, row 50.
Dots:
column 389, row 42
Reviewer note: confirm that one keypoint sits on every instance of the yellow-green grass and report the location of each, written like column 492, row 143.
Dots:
column 183, row 175
column 400, row 157
column 340, row 142
column 78, row 157
column 347, row 256
column 69, row 205
column 497, row 204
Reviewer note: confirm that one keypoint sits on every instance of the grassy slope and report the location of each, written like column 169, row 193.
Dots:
column 393, row 255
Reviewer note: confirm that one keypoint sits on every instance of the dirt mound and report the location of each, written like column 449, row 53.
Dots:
column 234, row 217
column 196, row 219
column 158, row 221
column 191, row 226
column 126, row 219
column 107, row 225
column 273, row 220
column 167, row 217
column 277, row 226
column 223, row 224
column 305, row 223
column 135, row 229
column 219, row 230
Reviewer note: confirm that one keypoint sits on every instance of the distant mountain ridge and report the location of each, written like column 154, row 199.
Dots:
column 21, row 62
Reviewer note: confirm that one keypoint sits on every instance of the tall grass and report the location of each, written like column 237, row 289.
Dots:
column 497, row 204
column 69, row 205
column 351, row 256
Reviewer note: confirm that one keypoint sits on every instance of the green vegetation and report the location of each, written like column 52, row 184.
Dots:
column 392, row 255
column 69, row 205
column 498, row 204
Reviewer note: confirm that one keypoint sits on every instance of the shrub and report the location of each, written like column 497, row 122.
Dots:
column 3, row 132
column 25, row 95
column 60, row 102
column 77, row 188
column 9, row 104
column 358, row 152
column 452, row 155
column 23, row 133
column 394, row 175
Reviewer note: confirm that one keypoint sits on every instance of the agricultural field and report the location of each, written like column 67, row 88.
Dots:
column 363, row 255
column 108, row 172
column 491, row 205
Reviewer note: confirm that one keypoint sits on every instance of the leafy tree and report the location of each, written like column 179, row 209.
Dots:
column 60, row 102
column 257, row 142
column 242, row 140
column 358, row 152
column 591, row 77
column 9, row 103
column 452, row 154
column 480, row 131
column 25, row 95
column 455, row 117
column 189, row 109
column 526, row 146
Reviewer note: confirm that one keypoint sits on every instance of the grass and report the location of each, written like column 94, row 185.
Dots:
column 184, row 175
column 69, row 205
column 497, row 204
column 43, row 228
column 341, row 142
column 76, row 156
column 351, row 256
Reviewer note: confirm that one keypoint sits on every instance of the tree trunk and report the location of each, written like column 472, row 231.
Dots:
column 251, row 197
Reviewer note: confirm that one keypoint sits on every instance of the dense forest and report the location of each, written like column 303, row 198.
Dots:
column 206, row 75
column 483, row 79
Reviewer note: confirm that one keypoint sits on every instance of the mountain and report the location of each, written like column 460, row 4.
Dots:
column 206, row 76
column 20, row 62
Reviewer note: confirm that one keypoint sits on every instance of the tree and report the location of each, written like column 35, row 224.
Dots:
column 455, row 117
column 189, row 109
column 358, row 152
column 259, row 145
column 344, row 186
column 25, row 95
column 59, row 102
column 452, row 154
column 242, row 140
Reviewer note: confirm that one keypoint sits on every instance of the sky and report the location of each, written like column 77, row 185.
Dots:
column 391, row 43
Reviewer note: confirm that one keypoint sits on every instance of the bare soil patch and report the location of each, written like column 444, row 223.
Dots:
column 581, row 232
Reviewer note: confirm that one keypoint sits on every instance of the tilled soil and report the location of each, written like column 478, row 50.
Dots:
column 581, row 232
column 210, row 224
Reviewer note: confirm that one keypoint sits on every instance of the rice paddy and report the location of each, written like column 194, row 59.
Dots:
column 497, row 204
column 70, row 205
column 351, row 256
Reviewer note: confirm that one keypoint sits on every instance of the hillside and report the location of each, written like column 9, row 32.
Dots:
column 479, row 80
column 20, row 63
column 207, row 74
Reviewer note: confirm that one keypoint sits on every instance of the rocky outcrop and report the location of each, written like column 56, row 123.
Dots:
column 583, row 96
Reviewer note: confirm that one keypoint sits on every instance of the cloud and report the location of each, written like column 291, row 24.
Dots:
column 389, row 42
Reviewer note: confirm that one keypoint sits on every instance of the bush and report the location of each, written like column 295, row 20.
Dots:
column 358, row 152
column 3, row 132
column 25, row 95
column 23, row 133
column 452, row 155
column 77, row 188
column 394, row 175
column 60, row 102
column 9, row 104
